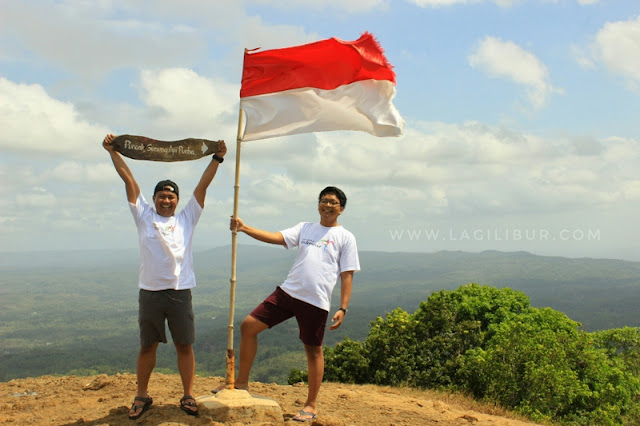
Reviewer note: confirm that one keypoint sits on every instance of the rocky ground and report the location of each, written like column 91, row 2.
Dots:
column 105, row 400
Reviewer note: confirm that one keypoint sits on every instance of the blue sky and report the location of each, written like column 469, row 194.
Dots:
column 522, row 122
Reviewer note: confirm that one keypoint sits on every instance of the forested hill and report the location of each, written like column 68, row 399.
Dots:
column 76, row 312
column 599, row 293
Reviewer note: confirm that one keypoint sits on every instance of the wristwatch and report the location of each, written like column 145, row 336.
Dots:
column 343, row 310
column 218, row 159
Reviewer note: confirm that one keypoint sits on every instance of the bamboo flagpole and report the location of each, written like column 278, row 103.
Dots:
column 230, row 379
column 231, row 404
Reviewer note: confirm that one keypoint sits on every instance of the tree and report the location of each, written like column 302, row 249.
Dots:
column 346, row 363
column 539, row 363
column 424, row 349
column 390, row 350
column 450, row 323
column 490, row 343
column 623, row 344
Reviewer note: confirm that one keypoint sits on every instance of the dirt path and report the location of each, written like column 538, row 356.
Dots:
column 105, row 400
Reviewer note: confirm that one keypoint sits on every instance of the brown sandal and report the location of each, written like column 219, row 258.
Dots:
column 147, row 403
column 187, row 406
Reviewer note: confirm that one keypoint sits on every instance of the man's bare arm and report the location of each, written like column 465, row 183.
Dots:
column 258, row 234
column 131, row 186
column 209, row 173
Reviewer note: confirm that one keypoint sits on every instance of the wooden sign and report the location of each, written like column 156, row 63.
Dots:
column 143, row 148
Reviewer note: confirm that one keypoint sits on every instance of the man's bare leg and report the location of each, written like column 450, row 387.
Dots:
column 144, row 367
column 249, row 330
column 187, row 369
column 315, row 366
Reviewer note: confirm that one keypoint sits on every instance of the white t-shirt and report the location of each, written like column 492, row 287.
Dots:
column 166, row 261
column 323, row 253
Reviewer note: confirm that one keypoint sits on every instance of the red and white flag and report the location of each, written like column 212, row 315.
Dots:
column 327, row 85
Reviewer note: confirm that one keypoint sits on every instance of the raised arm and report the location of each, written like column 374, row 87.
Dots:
column 133, row 190
column 258, row 234
column 209, row 173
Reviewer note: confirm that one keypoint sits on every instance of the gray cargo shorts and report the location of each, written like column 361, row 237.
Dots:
column 174, row 306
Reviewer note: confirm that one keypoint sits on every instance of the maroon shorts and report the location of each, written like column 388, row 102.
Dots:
column 279, row 307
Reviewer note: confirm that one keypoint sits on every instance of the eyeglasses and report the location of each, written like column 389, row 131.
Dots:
column 330, row 203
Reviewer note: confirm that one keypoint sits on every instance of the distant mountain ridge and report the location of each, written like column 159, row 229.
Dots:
column 66, row 259
column 67, row 311
column 596, row 292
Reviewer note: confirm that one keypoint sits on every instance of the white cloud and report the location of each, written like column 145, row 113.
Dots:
column 438, row 3
column 444, row 3
column 617, row 45
column 99, row 173
column 179, row 104
column 350, row 6
column 114, row 34
column 72, row 172
column 446, row 169
column 183, row 100
column 36, row 198
column 505, row 59
column 631, row 190
column 34, row 122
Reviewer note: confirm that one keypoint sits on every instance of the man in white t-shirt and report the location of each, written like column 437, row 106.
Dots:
column 166, row 274
column 326, row 252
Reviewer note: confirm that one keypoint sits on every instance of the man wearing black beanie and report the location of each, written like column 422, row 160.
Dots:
column 166, row 273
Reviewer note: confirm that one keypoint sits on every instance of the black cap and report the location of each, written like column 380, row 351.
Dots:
column 167, row 185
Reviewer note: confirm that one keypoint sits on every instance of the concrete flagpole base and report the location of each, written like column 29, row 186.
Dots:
column 237, row 405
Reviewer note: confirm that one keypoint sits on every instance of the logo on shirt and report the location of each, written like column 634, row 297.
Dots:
column 323, row 244
column 165, row 230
